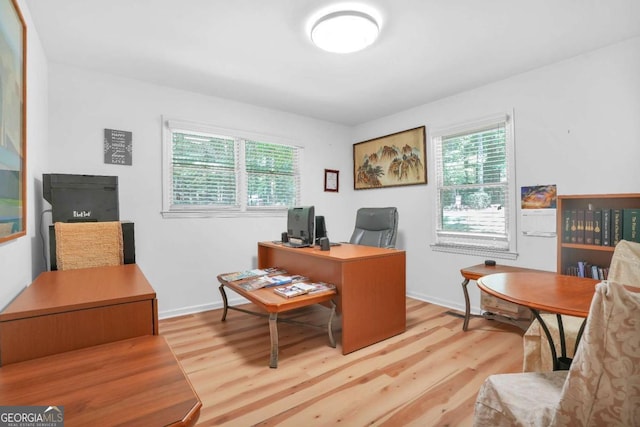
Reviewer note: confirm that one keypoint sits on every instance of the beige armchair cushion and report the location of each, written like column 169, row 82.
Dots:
column 600, row 388
column 537, row 353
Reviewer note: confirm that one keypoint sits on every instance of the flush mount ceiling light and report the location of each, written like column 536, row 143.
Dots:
column 344, row 31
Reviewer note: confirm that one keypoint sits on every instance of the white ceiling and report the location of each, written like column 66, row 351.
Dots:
column 258, row 51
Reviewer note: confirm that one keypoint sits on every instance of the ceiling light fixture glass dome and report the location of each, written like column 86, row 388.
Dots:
column 344, row 31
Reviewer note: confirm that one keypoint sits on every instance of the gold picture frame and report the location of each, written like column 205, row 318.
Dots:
column 13, row 128
column 391, row 160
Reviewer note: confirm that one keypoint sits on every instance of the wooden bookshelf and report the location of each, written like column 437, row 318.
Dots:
column 570, row 253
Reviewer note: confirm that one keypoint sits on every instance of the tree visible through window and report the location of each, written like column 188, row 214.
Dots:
column 208, row 172
column 475, row 188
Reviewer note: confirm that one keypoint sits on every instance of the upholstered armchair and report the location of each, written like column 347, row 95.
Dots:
column 624, row 268
column 376, row 227
column 599, row 389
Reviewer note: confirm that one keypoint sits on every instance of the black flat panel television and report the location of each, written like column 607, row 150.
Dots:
column 81, row 198
column 300, row 221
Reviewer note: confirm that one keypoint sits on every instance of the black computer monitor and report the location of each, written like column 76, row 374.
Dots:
column 79, row 198
column 300, row 225
column 321, row 228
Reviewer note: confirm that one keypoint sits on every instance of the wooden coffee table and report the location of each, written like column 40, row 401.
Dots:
column 273, row 304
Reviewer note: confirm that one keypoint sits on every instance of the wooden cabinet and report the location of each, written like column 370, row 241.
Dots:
column 72, row 309
column 570, row 253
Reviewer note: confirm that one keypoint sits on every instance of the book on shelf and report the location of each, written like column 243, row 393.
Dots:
column 566, row 226
column 597, row 227
column 616, row 226
column 574, row 228
column 606, row 227
column 580, row 226
column 302, row 288
column 588, row 227
column 601, row 227
column 586, row 269
column 630, row 218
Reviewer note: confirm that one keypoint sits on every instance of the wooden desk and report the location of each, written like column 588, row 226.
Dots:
column 67, row 310
column 477, row 271
column 548, row 292
column 131, row 382
column 371, row 285
column 274, row 304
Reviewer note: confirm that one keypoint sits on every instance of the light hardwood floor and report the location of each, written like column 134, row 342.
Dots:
column 427, row 376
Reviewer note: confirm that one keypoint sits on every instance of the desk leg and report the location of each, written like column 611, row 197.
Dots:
column 332, row 340
column 273, row 331
column 224, row 302
column 467, row 305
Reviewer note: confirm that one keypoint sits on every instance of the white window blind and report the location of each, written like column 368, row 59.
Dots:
column 273, row 175
column 208, row 170
column 203, row 170
column 476, row 197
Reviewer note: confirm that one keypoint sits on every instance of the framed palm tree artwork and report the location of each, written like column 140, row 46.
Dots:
column 391, row 160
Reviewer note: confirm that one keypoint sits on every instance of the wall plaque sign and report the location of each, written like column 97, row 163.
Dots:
column 118, row 147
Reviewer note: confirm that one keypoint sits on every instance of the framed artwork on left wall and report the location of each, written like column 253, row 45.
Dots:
column 13, row 129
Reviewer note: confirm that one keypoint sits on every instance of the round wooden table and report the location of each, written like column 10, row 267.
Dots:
column 545, row 292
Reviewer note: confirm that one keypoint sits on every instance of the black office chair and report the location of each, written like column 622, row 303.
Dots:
column 376, row 227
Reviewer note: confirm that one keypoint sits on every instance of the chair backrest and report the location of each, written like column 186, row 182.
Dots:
column 376, row 227
column 603, row 381
column 91, row 244
column 625, row 263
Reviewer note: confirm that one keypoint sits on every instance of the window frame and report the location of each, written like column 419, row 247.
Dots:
column 444, row 241
column 242, row 209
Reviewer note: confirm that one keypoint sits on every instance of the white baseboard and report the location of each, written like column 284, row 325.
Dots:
column 455, row 305
column 199, row 308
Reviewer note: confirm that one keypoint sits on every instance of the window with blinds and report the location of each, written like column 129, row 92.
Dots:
column 273, row 176
column 208, row 171
column 475, row 187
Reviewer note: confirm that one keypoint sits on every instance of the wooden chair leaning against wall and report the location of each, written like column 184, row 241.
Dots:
column 91, row 244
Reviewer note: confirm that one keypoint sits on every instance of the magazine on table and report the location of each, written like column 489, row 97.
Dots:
column 270, row 281
column 247, row 274
column 302, row 288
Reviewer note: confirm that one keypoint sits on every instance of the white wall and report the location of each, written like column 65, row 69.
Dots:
column 576, row 125
column 181, row 257
column 20, row 260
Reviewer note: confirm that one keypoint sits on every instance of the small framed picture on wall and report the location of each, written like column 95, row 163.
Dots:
column 331, row 180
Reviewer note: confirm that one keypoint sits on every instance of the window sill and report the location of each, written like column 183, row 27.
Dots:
column 471, row 250
column 274, row 213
